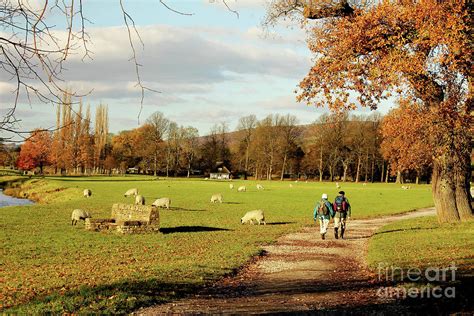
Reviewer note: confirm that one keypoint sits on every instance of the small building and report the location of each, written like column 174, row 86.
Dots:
column 220, row 173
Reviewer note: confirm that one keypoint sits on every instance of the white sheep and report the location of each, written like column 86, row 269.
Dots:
column 405, row 187
column 87, row 193
column 140, row 200
column 252, row 216
column 130, row 192
column 77, row 215
column 242, row 189
column 337, row 185
column 231, row 186
column 472, row 191
column 163, row 202
column 216, row 198
column 291, row 185
column 260, row 187
column 206, row 178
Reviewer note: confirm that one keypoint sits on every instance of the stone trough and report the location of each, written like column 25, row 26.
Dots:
column 127, row 219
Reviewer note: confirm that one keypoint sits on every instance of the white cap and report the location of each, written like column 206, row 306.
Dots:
column 324, row 196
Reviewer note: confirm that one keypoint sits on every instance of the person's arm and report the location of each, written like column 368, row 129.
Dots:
column 315, row 211
column 348, row 208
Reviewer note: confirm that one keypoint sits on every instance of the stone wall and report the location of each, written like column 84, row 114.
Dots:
column 130, row 212
column 127, row 219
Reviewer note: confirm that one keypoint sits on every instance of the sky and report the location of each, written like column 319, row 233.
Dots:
column 210, row 67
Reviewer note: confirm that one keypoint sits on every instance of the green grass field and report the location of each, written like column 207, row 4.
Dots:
column 422, row 243
column 49, row 266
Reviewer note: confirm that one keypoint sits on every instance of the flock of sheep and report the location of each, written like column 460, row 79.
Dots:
column 251, row 217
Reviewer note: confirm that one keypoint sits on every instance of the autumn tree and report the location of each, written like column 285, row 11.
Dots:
column 289, row 133
column 406, row 135
column 265, row 149
column 247, row 125
column 101, row 131
column 159, row 127
column 124, row 149
column 35, row 151
column 189, row 146
column 421, row 49
column 215, row 147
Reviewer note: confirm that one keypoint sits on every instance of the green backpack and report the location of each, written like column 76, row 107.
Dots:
column 323, row 208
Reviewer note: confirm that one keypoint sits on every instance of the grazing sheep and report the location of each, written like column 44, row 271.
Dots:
column 252, row 216
column 231, row 186
column 405, row 187
column 140, row 200
column 130, row 192
column 216, row 198
column 87, row 193
column 206, row 178
column 77, row 215
column 259, row 187
column 242, row 189
column 163, row 202
column 291, row 185
column 337, row 185
column 364, row 184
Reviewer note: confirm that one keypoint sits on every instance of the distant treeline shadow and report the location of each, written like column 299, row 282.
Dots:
column 281, row 223
column 191, row 229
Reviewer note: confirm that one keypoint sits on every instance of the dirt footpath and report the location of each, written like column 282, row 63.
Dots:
column 299, row 273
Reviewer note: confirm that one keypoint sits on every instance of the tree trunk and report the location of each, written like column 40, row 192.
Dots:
column 270, row 168
column 383, row 171
column 367, row 166
column 345, row 167
column 450, row 183
column 358, row 168
column 372, row 169
column 321, row 165
column 399, row 179
column 155, row 164
column 247, row 159
column 283, row 167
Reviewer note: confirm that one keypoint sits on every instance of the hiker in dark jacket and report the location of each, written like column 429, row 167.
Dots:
column 342, row 208
column 323, row 212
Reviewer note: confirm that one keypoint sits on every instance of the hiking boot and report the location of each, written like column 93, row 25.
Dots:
column 322, row 236
column 335, row 233
column 342, row 232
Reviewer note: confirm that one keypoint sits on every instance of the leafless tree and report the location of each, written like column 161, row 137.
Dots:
column 33, row 51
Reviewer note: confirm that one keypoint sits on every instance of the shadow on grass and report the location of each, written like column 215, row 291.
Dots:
column 232, row 203
column 116, row 298
column 108, row 179
column 403, row 230
column 281, row 223
column 191, row 229
column 185, row 209
column 128, row 296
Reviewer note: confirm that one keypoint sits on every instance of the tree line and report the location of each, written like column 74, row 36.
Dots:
column 336, row 147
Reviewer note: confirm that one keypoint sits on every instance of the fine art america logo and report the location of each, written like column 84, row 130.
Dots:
column 435, row 275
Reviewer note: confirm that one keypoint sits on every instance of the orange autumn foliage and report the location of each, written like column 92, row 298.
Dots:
column 406, row 139
column 35, row 151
